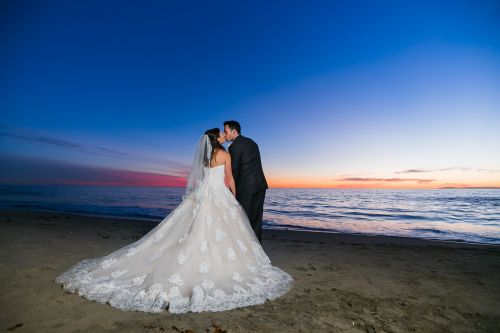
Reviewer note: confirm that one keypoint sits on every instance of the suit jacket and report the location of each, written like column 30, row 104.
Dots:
column 247, row 167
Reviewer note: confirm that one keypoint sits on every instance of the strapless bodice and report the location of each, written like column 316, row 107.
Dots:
column 216, row 176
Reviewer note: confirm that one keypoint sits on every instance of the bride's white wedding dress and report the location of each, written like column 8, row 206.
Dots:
column 204, row 256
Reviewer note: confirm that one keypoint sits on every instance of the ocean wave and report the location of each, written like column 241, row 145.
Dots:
column 466, row 215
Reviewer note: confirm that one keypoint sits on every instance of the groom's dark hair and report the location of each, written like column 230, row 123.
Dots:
column 233, row 125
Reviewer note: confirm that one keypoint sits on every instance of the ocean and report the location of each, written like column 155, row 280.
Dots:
column 463, row 215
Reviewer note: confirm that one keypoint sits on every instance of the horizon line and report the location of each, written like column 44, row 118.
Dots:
column 277, row 187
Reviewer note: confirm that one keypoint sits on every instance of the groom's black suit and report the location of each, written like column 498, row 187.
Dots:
column 250, row 181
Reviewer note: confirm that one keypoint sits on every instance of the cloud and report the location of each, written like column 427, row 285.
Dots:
column 390, row 180
column 448, row 169
column 413, row 171
column 16, row 169
column 179, row 169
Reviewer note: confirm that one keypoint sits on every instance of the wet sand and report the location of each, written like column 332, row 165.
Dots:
column 343, row 283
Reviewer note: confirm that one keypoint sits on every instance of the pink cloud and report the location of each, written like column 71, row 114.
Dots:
column 30, row 170
column 368, row 179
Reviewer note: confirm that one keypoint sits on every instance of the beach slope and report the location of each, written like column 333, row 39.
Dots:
column 343, row 282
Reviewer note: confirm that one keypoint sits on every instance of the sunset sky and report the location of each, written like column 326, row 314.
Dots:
column 363, row 94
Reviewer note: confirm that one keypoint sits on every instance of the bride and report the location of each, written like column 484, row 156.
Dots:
column 203, row 256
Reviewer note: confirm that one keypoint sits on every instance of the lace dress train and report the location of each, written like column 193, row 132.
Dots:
column 204, row 256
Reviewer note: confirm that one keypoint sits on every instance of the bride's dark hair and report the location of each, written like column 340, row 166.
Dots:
column 213, row 135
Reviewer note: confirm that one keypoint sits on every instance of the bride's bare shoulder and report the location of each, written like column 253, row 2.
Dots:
column 223, row 152
column 221, row 156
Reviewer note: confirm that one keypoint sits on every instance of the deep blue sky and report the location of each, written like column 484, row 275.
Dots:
column 330, row 90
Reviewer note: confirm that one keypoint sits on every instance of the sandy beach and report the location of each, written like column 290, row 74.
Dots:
column 343, row 283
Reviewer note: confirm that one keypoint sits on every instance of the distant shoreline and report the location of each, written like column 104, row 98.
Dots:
column 469, row 188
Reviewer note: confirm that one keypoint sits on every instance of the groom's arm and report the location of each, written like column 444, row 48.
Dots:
column 235, row 162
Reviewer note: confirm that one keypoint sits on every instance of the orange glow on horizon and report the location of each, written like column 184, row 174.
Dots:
column 159, row 180
column 56, row 173
column 317, row 183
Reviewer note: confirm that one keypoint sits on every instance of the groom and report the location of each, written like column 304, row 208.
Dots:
column 248, row 175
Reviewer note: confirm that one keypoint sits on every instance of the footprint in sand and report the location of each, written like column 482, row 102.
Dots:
column 46, row 268
column 311, row 267
column 13, row 327
column 328, row 268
